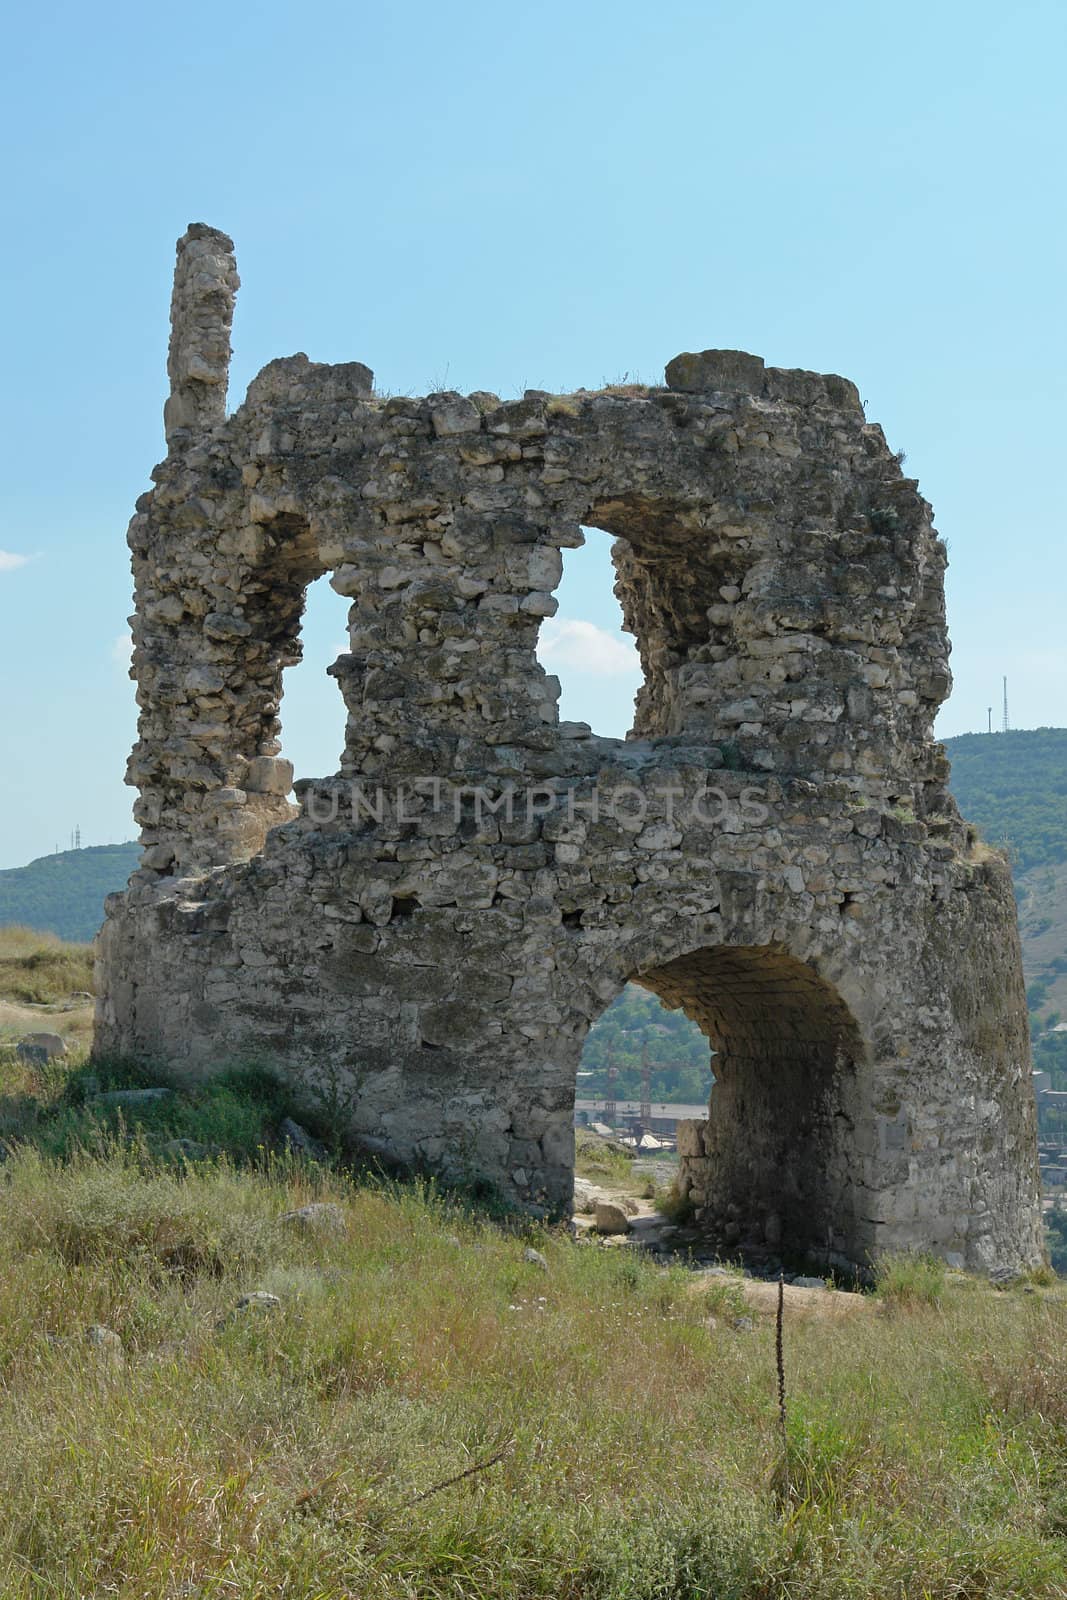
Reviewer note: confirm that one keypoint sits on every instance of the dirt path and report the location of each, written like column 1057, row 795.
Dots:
column 813, row 1305
column 649, row 1227
column 72, row 1021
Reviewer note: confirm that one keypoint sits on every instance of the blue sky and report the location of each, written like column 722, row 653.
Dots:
column 496, row 196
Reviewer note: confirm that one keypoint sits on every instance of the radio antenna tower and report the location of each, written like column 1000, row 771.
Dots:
column 1007, row 724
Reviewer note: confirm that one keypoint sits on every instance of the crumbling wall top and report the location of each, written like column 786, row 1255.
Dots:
column 781, row 577
column 201, row 316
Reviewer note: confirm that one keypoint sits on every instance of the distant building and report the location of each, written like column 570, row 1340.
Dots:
column 663, row 1120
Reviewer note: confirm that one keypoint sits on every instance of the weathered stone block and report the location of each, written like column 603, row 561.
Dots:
column 269, row 775
column 690, row 1139
column 715, row 370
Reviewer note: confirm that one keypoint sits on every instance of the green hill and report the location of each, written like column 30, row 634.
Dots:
column 636, row 1027
column 64, row 893
column 1014, row 786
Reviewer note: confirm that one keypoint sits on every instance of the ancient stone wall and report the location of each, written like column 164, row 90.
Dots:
column 424, row 939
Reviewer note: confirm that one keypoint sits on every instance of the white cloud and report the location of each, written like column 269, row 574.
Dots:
column 10, row 562
column 122, row 648
column 570, row 644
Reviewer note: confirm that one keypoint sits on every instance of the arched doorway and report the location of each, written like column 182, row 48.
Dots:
column 775, row 1167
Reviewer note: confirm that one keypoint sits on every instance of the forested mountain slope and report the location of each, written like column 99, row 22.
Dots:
column 1014, row 786
column 64, row 893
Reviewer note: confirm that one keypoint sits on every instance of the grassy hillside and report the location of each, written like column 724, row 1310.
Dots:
column 410, row 1406
column 44, row 988
column 64, row 893
column 1042, row 895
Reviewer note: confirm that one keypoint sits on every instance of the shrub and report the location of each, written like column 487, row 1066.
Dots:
column 909, row 1278
column 671, row 1204
column 1056, row 1232
column 60, row 1111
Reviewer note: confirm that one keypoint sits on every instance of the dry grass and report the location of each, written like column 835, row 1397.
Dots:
column 41, row 969
column 1027, row 1375
column 39, row 975
column 280, row 1453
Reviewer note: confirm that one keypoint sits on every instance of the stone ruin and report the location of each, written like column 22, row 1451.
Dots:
column 423, row 941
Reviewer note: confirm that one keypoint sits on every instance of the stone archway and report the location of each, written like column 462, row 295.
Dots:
column 776, row 1164
column 432, row 963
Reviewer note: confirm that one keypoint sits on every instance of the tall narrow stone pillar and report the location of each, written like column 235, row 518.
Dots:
column 201, row 315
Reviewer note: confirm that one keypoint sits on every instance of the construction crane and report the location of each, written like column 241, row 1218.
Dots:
column 611, row 1106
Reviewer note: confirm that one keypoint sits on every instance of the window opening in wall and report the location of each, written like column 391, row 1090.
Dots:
column 312, row 710
column 584, row 646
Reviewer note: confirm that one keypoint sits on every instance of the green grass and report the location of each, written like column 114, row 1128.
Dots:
column 669, row 1203
column 284, row 1452
column 909, row 1278
column 57, row 1108
column 40, row 968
